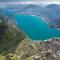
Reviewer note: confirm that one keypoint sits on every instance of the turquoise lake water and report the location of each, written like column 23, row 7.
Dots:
column 35, row 27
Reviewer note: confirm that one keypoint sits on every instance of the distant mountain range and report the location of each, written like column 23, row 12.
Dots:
column 51, row 11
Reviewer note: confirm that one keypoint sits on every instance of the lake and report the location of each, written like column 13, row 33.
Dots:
column 35, row 27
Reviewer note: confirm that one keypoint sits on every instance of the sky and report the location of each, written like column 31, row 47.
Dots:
column 28, row 0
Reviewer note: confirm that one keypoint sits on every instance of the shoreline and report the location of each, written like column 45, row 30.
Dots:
column 43, row 40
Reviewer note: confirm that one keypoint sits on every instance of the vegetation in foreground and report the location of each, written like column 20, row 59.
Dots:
column 15, row 45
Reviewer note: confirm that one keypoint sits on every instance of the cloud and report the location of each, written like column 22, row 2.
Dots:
column 26, row 0
column 44, row 2
column 31, row 2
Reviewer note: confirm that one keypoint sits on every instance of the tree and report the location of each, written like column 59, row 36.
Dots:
column 3, row 26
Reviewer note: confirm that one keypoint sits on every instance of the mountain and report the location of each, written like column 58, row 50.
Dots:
column 34, row 10
column 52, row 5
column 54, row 9
column 51, row 11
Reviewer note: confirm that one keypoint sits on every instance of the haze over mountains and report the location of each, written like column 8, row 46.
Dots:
column 52, row 11
column 26, row 0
